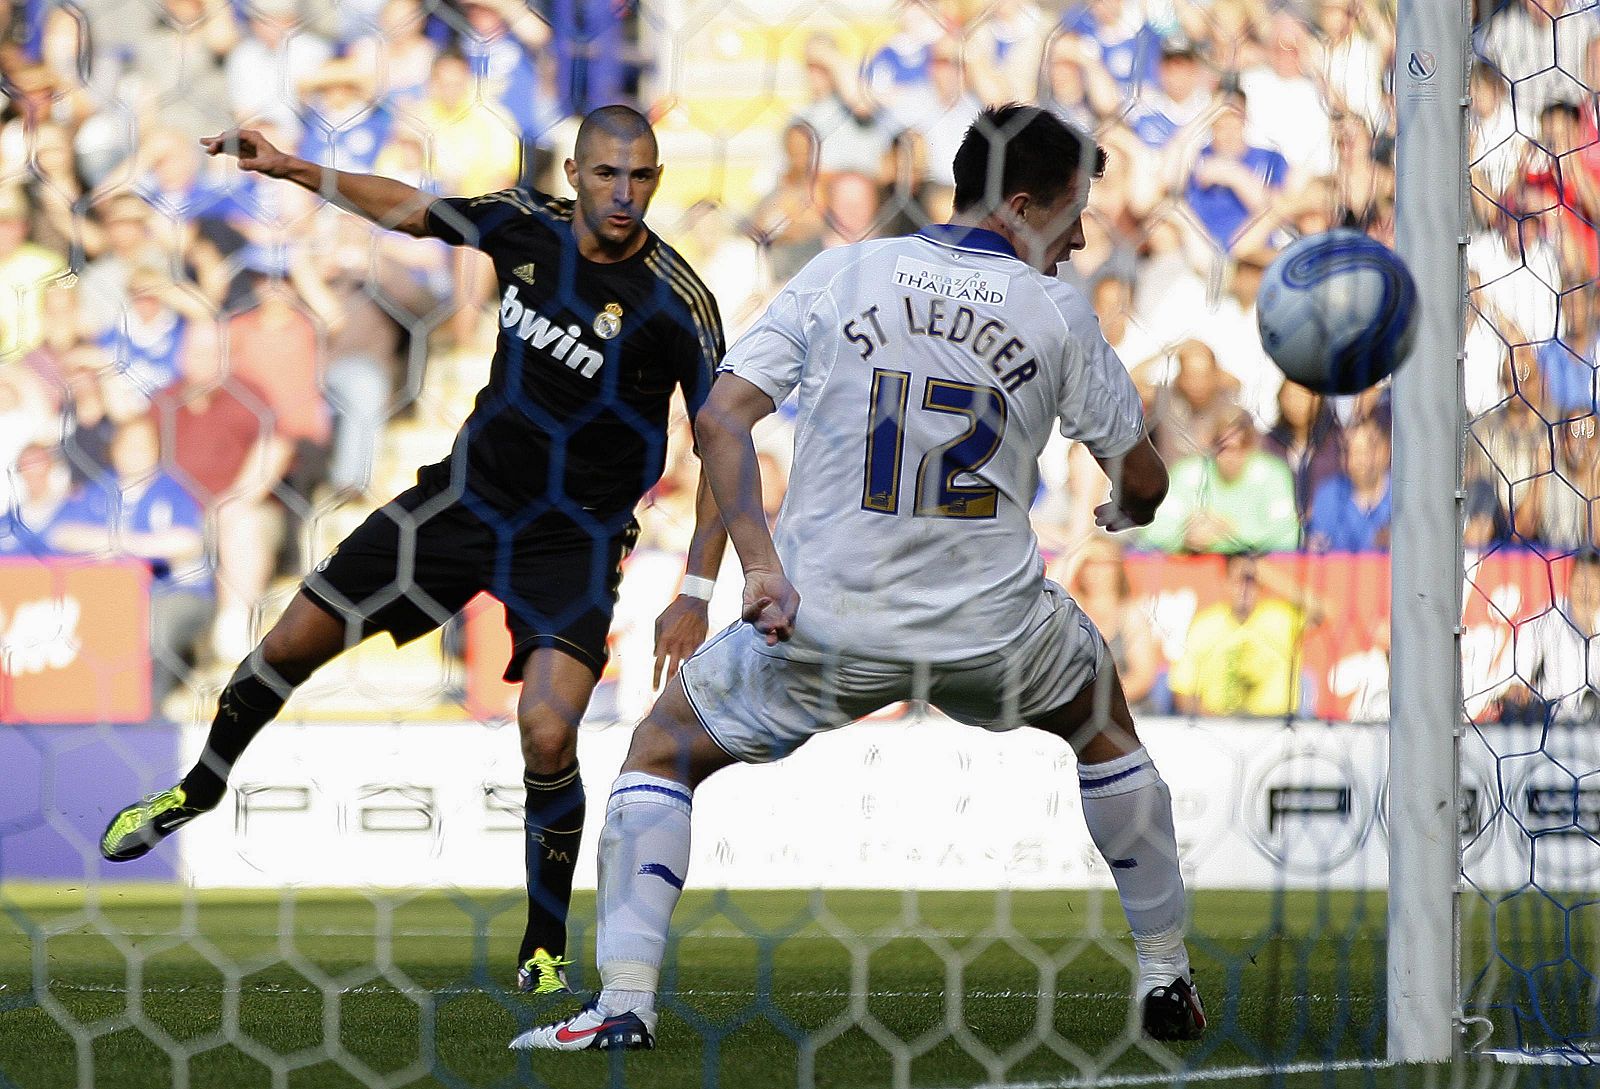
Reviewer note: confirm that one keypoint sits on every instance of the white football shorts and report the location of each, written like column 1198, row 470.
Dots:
column 760, row 706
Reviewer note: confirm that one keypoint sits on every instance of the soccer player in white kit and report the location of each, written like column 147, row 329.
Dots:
column 930, row 372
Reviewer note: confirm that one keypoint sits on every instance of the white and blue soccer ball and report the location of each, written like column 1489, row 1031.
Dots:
column 1337, row 311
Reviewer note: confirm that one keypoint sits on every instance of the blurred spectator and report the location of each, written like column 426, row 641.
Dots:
column 181, row 59
column 897, row 73
column 55, row 190
column 91, row 411
column 128, row 244
column 144, row 512
column 908, row 200
column 344, row 127
column 1129, row 46
column 1563, row 191
column 1351, row 512
column 508, row 46
column 1188, row 399
column 399, row 55
column 39, row 485
column 1308, row 438
column 1363, row 184
column 1357, row 43
column 1229, row 328
column 1569, row 362
column 1006, row 49
column 851, row 209
column 854, row 134
column 788, row 221
column 1075, row 85
column 1232, row 181
column 1509, row 446
column 271, row 60
column 225, row 443
column 1516, row 267
column 1488, row 340
column 1228, row 33
column 1568, row 516
column 942, row 114
column 273, row 345
column 1112, row 298
column 1100, row 586
column 1241, row 656
column 368, row 289
column 1558, row 672
column 146, row 342
column 26, row 269
column 474, row 147
column 1538, row 45
column 47, row 363
column 1237, row 499
column 1494, row 152
column 1180, row 96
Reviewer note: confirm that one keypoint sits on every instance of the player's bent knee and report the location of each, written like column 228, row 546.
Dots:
column 549, row 743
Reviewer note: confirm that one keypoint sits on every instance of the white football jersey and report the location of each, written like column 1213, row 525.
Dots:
column 930, row 371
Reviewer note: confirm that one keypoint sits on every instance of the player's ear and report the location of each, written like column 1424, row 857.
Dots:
column 571, row 167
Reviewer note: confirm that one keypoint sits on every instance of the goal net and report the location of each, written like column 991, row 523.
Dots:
column 209, row 379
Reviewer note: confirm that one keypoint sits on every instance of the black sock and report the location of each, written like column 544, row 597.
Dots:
column 248, row 703
column 552, row 828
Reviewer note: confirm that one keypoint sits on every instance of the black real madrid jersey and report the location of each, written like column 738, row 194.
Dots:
column 588, row 354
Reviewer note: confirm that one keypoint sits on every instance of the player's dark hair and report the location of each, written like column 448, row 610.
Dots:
column 1021, row 149
column 622, row 122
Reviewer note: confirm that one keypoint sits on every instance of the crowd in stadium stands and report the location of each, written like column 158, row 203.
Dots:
column 256, row 345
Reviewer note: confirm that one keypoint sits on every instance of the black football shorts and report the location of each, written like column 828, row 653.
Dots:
column 417, row 560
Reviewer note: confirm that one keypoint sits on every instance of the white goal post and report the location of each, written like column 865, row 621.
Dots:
column 1430, row 88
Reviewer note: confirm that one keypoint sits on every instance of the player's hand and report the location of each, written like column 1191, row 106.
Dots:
column 680, row 629
column 770, row 603
column 253, row 150
column 1111, row 517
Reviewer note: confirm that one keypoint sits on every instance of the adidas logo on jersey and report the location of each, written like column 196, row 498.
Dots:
column 524, row 272
column 528, row 325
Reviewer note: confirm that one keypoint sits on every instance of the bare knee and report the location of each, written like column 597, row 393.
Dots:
column 549, row 742
column 302, row 641
column 672, row 744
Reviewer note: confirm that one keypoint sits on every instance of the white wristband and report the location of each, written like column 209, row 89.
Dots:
column 696, row 587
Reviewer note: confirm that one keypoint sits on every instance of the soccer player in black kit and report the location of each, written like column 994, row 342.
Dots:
column 599, row 322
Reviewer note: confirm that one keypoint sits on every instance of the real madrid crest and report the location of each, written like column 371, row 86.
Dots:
column 608, row 323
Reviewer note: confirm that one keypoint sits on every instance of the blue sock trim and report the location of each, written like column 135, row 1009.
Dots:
column 1096, row 784
column 651, row 788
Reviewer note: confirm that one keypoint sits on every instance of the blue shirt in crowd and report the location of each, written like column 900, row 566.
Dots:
column 165, row 504
column 1219, row 208
column 1339, row 524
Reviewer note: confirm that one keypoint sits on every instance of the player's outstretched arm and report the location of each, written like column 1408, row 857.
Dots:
column 1138, row 485
column 386, row 202
column 728, row 459
column 682, row 626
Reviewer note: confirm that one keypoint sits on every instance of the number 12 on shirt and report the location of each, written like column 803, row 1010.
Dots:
column 937, row 495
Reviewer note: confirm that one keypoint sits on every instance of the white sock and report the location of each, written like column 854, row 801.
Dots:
column 644, row 857
column 1129, row 813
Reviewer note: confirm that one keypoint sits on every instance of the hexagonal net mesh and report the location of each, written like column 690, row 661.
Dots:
column 217, row 386
column 1532, row 578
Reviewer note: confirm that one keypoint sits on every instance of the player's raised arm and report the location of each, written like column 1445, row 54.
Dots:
column 728, row 457
column 386, row 202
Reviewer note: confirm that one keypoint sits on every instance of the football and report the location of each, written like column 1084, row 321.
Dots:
column 1337, row 311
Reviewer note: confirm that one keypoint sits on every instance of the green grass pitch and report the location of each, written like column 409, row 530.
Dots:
column 846, row 989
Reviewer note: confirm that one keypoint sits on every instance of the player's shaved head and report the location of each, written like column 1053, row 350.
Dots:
column 622, row 123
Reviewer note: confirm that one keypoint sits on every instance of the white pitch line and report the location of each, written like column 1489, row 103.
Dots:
column 1191, row 1077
